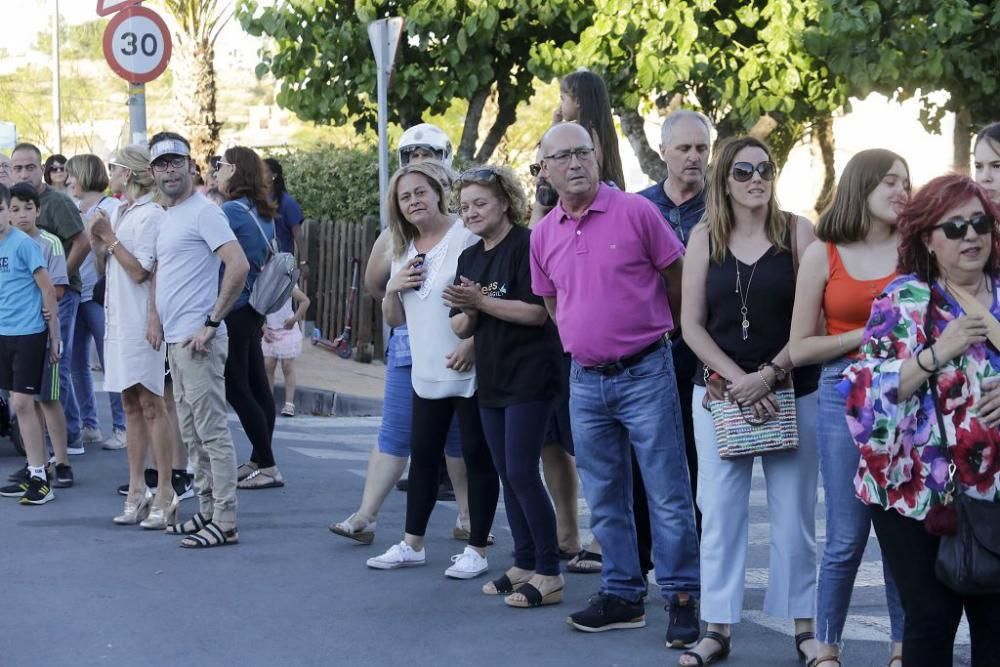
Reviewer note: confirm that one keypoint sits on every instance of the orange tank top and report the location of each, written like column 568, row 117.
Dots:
column 847, row 302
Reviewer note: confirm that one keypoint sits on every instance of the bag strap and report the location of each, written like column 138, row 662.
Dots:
column 271, row 251
column 932, row 381
column 793, row 233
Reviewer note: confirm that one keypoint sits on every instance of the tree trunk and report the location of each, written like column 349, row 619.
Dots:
column 195, row 90
column 506, row 116
column 470, row 131
column 961, row 138
column 633, row 126
column 823, row 135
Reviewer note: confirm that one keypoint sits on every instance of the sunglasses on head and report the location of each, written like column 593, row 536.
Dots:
column 479, row 174
column 956, row 228
column 743, row 171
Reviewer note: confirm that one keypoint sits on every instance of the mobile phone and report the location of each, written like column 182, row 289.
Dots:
column 420, row 264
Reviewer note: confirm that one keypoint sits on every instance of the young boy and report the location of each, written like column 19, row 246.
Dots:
column 25, row 287
column 25, row 209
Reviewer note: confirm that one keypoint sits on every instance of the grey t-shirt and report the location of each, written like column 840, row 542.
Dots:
column 55, row 260
column 60, row 216
column 187, row 274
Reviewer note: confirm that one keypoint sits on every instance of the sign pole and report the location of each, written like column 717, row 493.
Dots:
column 383, row 35
column 137, row 113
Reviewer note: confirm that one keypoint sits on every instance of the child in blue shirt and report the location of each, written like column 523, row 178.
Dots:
column 25, row 287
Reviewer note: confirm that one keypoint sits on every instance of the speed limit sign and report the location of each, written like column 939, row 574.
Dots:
column 137, row 44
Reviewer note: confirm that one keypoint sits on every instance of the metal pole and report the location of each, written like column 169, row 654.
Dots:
column 137, row 113
column 382, row 82
column 56, row 95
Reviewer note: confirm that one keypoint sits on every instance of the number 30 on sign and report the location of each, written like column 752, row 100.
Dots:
column 137, row 44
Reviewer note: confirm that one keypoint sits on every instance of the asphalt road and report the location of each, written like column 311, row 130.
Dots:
column 83, row 591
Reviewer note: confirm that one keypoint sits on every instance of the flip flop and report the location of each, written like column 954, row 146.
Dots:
column 585, row 562
column 533, row 597
column 365, row 533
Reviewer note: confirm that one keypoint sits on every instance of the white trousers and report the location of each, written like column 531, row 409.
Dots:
column 724, row 500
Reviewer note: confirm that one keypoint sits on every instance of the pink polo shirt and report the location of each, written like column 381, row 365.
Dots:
column 604, row 270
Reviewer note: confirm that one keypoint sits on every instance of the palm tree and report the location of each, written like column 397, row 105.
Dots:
column 199, row 23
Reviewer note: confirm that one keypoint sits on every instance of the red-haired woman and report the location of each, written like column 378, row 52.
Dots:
column 924, row 406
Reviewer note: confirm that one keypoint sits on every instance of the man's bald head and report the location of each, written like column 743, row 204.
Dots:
column 560, row 133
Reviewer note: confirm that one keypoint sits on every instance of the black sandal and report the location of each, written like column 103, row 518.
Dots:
column 534, row 598
column 576, row 564
column 800, row 639
column 211, row 536
column 189, row 527
column 504, row 586
column 725, row 646
column 825, row 658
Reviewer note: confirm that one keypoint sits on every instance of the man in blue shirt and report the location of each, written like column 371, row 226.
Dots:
column 25, row 287
column 685, row 145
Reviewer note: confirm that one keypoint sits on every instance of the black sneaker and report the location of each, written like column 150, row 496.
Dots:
column 403, row 484
column 37, row 492
column 683, row 628
column 15, row 490
column 21, row 475
column 182, row 481
column 63, row 477
column 150, row 476
column 608, row 612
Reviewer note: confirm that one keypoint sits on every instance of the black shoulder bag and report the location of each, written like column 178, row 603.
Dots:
column 968, row 561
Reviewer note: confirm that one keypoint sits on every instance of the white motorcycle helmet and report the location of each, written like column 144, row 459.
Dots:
column 426, row 136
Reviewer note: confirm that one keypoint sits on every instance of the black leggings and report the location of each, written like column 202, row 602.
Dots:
column 247, row 388
column 431, row 419
column 515, row 434
column 931, row 610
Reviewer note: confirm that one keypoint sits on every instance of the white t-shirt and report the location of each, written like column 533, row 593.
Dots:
column 187, row 274
column 431, row 337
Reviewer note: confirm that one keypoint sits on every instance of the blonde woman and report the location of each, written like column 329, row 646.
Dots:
column 134, row 356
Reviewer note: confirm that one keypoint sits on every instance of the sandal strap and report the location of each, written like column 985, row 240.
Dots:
column 532, row 595
column 191, row 526
column 692, row 654
column 722, row 640
column 826, row 658
column 503, row 585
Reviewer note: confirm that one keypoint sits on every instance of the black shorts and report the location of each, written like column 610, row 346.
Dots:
column 21, row 361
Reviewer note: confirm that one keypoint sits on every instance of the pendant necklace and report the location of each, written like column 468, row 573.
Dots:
column 744, row 311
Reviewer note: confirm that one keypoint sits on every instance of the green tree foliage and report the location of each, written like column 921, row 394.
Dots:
column 452, row 49
column 903, row 48
column 738, row 61
column 77, row 41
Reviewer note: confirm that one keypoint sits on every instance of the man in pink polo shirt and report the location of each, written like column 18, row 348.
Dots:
column 609, row 269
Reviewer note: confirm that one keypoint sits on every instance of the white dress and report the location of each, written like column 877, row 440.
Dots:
column 129, row 359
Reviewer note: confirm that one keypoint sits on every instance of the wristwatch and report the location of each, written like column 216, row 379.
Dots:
column 209, row 322
column 779, row 373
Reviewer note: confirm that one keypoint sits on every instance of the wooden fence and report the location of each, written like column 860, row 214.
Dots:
column 332, row 246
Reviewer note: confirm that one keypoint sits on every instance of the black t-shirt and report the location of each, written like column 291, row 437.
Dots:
column 514, row 363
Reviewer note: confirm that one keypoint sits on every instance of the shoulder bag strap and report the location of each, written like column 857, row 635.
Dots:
column 949, row 488
column 270, row 246
column 793, row 233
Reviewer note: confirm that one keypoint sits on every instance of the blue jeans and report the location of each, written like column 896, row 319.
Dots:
column 68, row 305
column 90, row 324
column 848, row 520
column 636, row 408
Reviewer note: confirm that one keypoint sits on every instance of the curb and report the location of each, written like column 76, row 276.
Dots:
column 326, row 403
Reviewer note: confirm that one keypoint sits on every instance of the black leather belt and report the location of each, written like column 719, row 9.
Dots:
column 615, row 367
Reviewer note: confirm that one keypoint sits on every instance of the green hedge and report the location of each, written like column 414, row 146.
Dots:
column 333, row 183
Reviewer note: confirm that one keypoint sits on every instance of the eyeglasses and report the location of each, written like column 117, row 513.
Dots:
column 4, row 166
column 956, row 228
column 56, row 169
column 562, row 158
column 222, row 163
column 535, row 169
column 743, row 171
column 176, row 162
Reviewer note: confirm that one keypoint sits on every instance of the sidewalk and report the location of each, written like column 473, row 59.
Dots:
column 329, row 385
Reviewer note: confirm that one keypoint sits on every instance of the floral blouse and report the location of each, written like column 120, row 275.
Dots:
column 903, row 465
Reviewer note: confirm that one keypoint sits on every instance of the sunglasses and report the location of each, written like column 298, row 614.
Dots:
column 476, row 175
column 956, row 228
column 743, row 171
column 535, row 169
column 56, row 169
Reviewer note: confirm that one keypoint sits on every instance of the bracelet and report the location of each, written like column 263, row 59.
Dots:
column 937, row 365
column 840, row 343
column 922, row 367
column 760, row 374
column 111, row 248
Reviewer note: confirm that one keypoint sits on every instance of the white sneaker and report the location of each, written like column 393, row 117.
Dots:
column 398, row 555
column 91, row 436
column 116, row 440
column 76, row 450
column 467, row 565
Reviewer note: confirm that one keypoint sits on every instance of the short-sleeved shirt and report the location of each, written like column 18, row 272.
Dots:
column 55, row 259
column 683, row 217
column 244, row 226
column 20, row 297
column 604, row 270
column 289, row 216
column 60, row 216
column 515, row 363
column 187, row 277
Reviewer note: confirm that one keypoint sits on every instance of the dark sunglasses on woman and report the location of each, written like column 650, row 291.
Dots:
column 956, row 228
column 743, row 171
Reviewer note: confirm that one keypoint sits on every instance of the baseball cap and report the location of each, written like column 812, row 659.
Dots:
column 168, row 147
